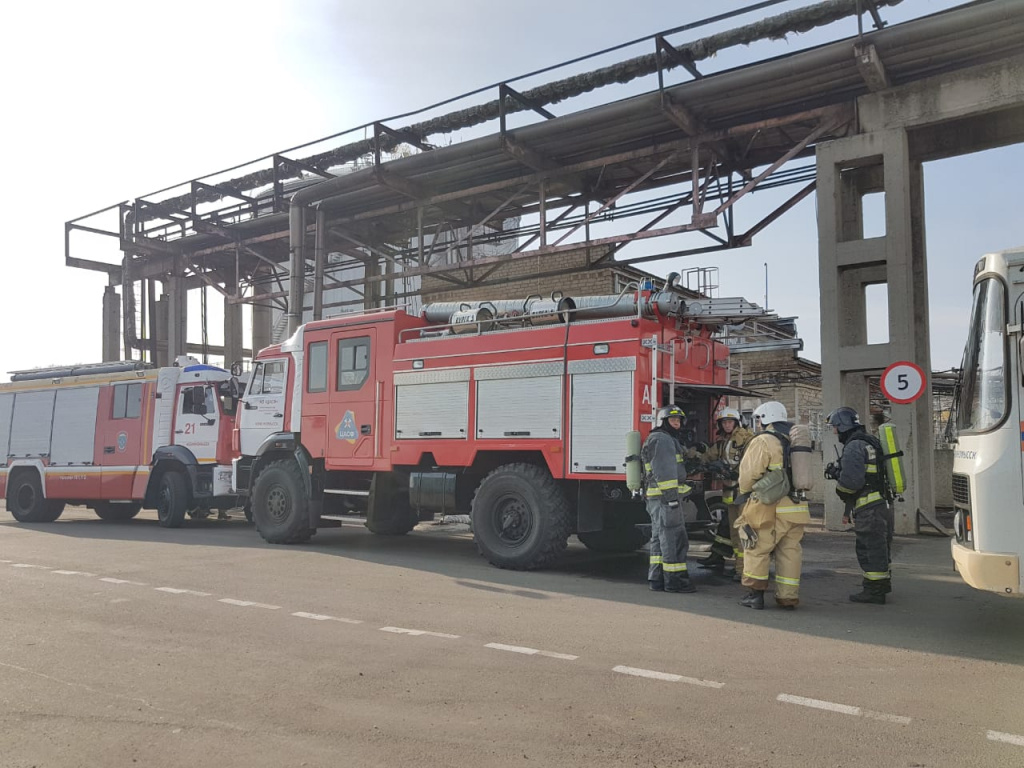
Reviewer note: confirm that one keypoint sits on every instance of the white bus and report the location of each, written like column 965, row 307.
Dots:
column 988, row 462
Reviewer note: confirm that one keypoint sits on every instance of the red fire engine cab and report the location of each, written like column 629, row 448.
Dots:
column 517, row 411
column 117, row 437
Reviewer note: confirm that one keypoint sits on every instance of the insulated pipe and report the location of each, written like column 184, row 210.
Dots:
column 534, row 309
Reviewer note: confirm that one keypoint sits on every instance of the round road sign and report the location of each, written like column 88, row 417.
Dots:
column 903, row 382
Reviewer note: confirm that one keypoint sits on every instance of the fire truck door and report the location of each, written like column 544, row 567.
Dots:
column 353, row 423
column 262, row 411
column 121, row 450
column 197, row 422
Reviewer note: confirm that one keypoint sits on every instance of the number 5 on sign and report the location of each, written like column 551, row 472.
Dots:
column 903, row 382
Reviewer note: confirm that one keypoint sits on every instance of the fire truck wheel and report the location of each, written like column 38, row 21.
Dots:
column 279, row 504
column 26, row 502
column 520, row 517
column 613, row 540
column 172, row 500
column 112, row 510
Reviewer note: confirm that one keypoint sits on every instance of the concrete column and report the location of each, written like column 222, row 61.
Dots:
column 160, row 331
column 262, row 327
column 175, row 295
column 233, row 346
column 847, row 169
column 111, row 324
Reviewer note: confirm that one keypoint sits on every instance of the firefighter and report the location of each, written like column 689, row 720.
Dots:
column 860, row 483
column 732, row 438
column 766, row 528
column 662, row 455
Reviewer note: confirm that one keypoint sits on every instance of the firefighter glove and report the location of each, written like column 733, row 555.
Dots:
column 832, row 471
column 748, row 536
column 674, row 504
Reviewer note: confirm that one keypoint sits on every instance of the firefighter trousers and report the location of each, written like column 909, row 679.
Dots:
column 873, row 526
column 727, row 538
column 669, row 544
column 783, row 539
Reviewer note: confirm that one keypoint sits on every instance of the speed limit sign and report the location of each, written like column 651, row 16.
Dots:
column 903, row 382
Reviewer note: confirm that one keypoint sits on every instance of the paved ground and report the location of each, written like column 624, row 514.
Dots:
column 126, row 644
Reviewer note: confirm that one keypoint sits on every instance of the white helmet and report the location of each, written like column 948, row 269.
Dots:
column 770, row 412
column 729, row 413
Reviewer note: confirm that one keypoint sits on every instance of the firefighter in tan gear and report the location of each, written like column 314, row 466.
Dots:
column 662, row 455
column 765, row 528
column 724, row 457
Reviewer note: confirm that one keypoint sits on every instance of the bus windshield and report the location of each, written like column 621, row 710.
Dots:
column 983, row 395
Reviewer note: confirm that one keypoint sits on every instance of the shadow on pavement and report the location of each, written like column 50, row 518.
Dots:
column 931, row 609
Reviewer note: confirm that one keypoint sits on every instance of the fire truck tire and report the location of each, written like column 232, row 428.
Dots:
column 26, row 502
column 111, row 510
column 520, row 517
column 280, row 508
column 613, row 540
column 172, row 501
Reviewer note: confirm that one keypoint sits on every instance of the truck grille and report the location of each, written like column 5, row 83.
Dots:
column 962, row 491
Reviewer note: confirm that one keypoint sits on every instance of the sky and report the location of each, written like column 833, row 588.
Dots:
column 107, row 101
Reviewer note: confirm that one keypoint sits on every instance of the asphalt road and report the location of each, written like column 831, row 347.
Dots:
column 126, row 644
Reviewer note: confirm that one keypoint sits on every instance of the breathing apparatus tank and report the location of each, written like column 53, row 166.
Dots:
column 892, row 459
column 800, row 445
column 634, row 468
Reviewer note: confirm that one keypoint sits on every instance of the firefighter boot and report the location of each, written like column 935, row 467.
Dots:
column 678, row 582
column 753, row 599
column 713, row 562
column 656, row 586
column 871, row 593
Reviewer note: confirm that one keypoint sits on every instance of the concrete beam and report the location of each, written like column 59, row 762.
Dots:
column 952, row 95
column 111, row 324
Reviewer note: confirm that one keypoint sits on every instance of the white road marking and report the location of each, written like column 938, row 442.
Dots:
column 29, row 565
column 74, row 573
column 636, row 672
column 417, row 632
column 819, row 704
column 175, row 591
column 1006, row 738
column 843, row 709
column 120, row 600
column 530, row 651
column 248, row 604
column 109, row 580
column 901, row 719
column 322, row 617
column 6, row 561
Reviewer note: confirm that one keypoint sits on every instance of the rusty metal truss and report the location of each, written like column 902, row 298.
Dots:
column 375, row 214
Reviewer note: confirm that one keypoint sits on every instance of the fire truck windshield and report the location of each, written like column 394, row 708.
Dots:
column 983, row 395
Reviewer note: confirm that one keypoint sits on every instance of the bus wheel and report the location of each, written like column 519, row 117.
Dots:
column 279, row 505
column 26, row 502
column 520, row 517
column 172, row 501
column 112, row 510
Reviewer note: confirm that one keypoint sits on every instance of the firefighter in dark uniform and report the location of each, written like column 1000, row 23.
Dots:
column 662, row 456
column 860, row 483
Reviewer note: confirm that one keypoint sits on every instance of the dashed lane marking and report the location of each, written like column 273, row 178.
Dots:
column 248, row 604
column 530, row 651
column 843, row 709
column 176, row 591
column 417, row 632
column 110, row 580
column 667, row 676
column 322, row 617
column 30, row 565
column 74, row 573
column 1006, row 738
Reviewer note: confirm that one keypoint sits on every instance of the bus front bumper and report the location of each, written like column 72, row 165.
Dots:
column 991, row 572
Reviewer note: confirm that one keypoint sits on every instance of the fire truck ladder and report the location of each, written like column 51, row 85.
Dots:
column 657, row 350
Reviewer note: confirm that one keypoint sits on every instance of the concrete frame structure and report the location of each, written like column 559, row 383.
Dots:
column 898, row 130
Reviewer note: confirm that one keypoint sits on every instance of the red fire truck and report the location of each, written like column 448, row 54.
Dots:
column 117, row 437
column 517, row 411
